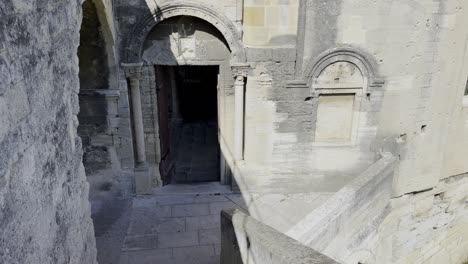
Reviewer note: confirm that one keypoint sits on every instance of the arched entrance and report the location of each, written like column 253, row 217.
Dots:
column 186, row 47
column 191, row 66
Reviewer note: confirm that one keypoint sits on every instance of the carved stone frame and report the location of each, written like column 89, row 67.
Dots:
column 370, row 80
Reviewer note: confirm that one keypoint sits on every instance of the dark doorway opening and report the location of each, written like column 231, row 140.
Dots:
column 188, row 122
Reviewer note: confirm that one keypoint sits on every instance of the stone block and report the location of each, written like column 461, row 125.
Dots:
column 254, row 16
column 202, row 222
column 140, row 242
column 194, row 252
column 143, row 182
column 190, row 210
column 284, row 54
column 169, row 225
column 184, row 239
column 259, row 54
column 175, row 199
column 102, row 140
column 146, row 256
column 210, row 236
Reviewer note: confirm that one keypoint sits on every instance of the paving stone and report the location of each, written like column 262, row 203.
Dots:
column 169, row 225
column 140, row 226
column 108, row 249
column 215, row 208
column 174, row 199
column 194, row 252
column 203, row 222
column 184, row 239
column 140, row 242
column 198, row 260
column 190, row 210
column 157, row 211
column 210, row 236
column 147, row 256
column 210, row 198
column 142, row 220
column 144, row 202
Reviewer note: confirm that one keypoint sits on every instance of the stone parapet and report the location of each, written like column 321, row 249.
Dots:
column 244, row 240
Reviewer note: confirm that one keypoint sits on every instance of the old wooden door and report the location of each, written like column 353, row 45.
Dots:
column 166, row 167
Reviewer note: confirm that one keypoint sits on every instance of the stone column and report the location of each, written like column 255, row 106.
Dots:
column 133, row 73
column 142, row 176
column 240, row 72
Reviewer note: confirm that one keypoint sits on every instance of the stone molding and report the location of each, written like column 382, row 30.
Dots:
column 364, row 62
column 302, row 84
column 133, row 47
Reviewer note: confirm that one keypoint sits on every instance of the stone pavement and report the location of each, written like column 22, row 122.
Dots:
column 177, row 225
column 180, row 223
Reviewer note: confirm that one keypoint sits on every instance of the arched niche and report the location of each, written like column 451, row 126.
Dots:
column 340, row 81
column 134, row 45
column 347, row 55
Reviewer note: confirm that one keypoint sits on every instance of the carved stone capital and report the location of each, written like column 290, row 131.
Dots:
column 240, row 70
column 132, row 70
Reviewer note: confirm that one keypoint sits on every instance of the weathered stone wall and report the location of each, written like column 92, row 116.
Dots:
column 416, row 46
column 426, row 227
column 420, row 50
column 45, row 214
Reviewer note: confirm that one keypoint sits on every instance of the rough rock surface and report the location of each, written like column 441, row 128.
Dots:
column 45, row 213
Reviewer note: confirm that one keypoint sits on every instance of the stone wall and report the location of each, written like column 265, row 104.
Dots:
column 425, row 227
column 413, row 45
column 43, row 190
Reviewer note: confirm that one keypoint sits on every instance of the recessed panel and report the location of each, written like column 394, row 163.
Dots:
column 334, row 118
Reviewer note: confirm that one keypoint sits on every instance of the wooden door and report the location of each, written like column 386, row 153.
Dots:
column 166, row 167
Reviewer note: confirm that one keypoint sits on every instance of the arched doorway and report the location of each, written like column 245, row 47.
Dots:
column 191, row 66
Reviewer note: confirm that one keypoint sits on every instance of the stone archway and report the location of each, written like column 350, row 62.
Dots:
column 235, row 71
column 133, row 47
